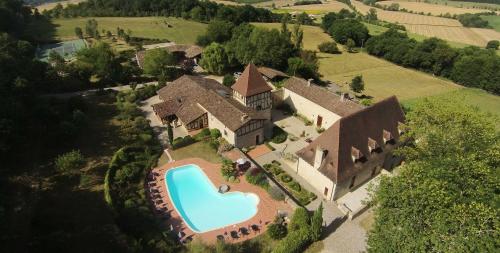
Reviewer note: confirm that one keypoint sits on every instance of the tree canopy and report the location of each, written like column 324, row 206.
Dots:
column 445, row 197
column 344, row 29
column 214, row 59
column 157, row 62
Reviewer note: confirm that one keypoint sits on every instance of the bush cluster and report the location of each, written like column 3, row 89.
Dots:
column 303, row 230
column 72, row 160
column 256, row 176
column 329, row 47
column 279, row 135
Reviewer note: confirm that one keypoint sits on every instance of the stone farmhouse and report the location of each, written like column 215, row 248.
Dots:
column 241, row 113
column 355, row 145
column 353, row 150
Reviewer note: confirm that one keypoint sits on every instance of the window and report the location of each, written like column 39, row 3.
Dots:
column 325, row 192
column 225, row 132
column 356, row 155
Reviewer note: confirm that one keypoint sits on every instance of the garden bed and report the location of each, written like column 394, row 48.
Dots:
column 302, row 195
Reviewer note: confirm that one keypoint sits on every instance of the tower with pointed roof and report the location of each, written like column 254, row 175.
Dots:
column 252, row 90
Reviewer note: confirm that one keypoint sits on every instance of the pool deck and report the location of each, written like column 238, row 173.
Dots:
column 267, row 207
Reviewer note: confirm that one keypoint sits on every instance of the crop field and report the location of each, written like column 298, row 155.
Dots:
column 429, row 26
column 173, row 29
column 49, row 6
column 434, row 9
column 382, row 78
column 332, row 6
column 461, row 4
column 406, row 18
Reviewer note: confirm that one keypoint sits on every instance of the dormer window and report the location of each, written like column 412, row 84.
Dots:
column 388, row 137
column 356, row 155
column 373, row 145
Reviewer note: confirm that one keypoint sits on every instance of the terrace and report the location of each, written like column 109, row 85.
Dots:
column 267, row 207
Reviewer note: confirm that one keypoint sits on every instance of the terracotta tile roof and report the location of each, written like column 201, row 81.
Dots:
column 197, row 94
column 350, row 136
column 251, row 82
column 166, row 108
column 271, row 73
column 322, row 97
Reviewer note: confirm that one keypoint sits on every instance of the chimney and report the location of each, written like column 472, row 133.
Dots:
column 244, row 117
column 309, row 82
column 318, row 157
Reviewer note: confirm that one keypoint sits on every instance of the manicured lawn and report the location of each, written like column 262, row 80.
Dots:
column 199, row 149
column 475, row 97
column 174, row 29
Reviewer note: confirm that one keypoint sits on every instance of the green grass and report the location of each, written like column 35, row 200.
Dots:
column 180, row 31
column 494, row 21
column 475, row 97
column 199, row 149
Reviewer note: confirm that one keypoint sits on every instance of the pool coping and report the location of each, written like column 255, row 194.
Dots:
column 215, row 189
column 268, row 207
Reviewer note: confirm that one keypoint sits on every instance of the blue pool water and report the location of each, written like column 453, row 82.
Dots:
column 203, row 208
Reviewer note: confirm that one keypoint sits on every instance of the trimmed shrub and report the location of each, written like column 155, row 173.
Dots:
column 256, row 176
column 279, row 135
column 317, row 223
column 215, row 133
column 69, row 161
column 276, row 231
column 276, row 193
column 227, row 169
column 329, row 47
column 286, row 178
column 295, row 186
column 276, row 170
column 228, row 80
column 180, row 142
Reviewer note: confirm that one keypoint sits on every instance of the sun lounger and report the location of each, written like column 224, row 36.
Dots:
column 234, row 235
column 244, row 231
column 255, row 228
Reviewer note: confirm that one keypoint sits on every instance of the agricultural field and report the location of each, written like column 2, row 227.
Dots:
column 173, row 29
column 434, row 9
column 429, row 26
column 382, row 78
column 376, row 30
column 461, row 4
column 49, row 6
column 494, row 21
column 332, row 6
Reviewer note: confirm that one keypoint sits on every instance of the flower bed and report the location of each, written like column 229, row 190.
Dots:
column 303, row 196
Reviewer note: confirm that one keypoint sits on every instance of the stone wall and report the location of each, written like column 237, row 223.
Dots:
column 309, row 109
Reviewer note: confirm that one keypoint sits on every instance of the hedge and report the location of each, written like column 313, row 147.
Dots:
column 295, row 242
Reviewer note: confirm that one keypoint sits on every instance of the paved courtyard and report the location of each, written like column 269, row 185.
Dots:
column 158, row 127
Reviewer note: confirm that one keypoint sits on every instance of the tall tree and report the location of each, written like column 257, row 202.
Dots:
column 445, row 197
column 357, row 84
column 102, row 60
column 214, row 59
column 79, row 32
column 157, row 62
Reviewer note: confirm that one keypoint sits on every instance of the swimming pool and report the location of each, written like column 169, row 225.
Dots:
column 199, row 203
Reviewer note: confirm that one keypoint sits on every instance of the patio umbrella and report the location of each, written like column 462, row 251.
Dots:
column 241, row 161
